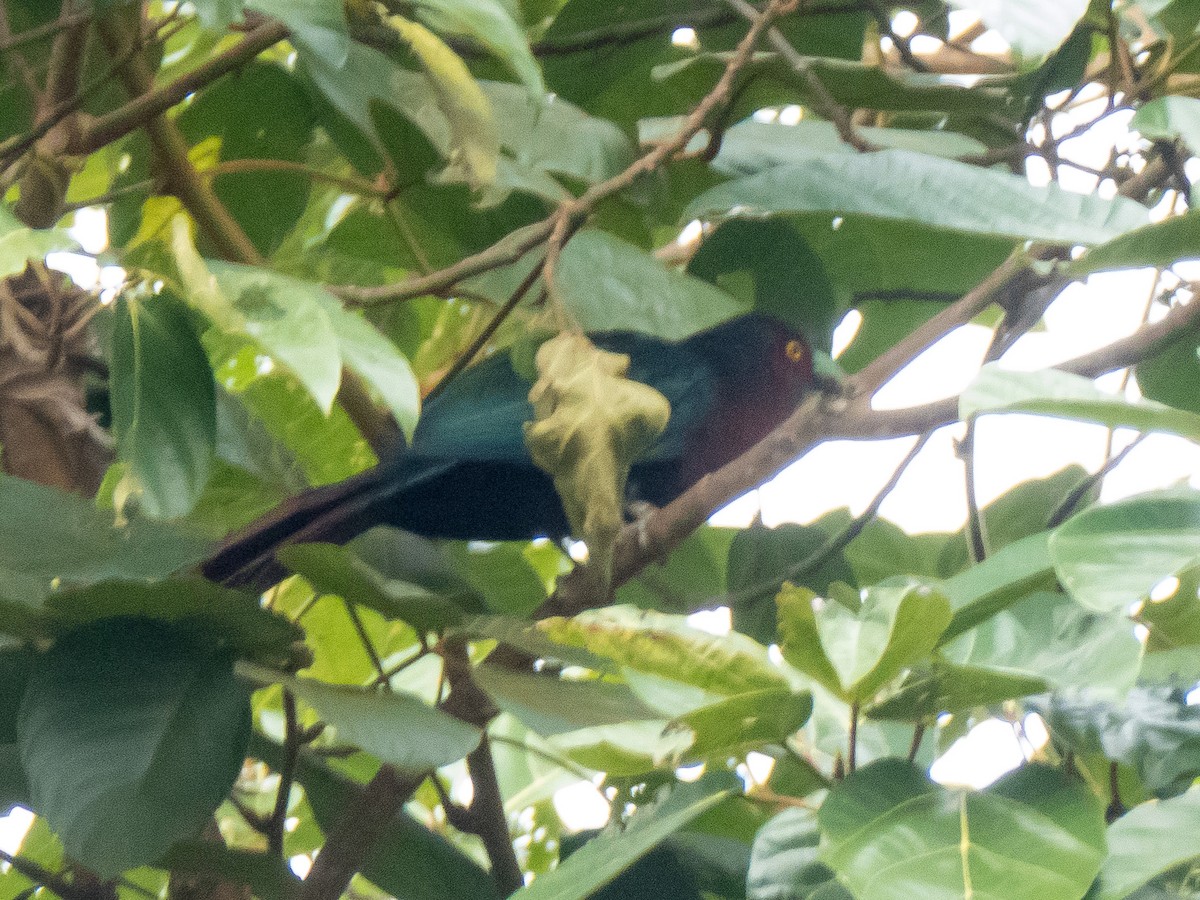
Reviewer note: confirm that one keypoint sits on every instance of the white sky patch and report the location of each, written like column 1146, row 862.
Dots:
column 988, row 751
column 581, row 805
column 13, row 829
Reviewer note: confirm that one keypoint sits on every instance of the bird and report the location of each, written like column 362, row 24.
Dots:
column 468, row 475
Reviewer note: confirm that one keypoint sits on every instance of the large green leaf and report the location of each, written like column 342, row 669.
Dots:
column 264, row 113
column 891, row 833
column 1172, row 375
column 666, row 645
column 398, row 728
column 550, row 705
column 1053, row 393
column 785, row 864
column 911, row 187
column 163, row 406
column 1153, row 731
column 1148, row 840
column 854, row 653
column 1051, row 637
column 47, row 534
column 608, row 284
column 135, row 722
column 225, row 618
column 751, row 146
column 747, row 722
column 301, row 325
column 604, row 858
column 332, row 569
column 998, row 582
column 1111, row 556
column 1160, row 245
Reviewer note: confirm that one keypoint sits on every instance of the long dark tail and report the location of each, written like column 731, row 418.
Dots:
column 335, row 514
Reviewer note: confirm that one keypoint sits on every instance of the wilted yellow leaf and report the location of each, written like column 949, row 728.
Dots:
column 590, row 424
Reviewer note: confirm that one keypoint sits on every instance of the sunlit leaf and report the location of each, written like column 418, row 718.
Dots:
column 891, row 833
column 911, row 187
column 163, row 404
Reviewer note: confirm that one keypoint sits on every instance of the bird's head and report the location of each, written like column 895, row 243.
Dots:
column 756, row 353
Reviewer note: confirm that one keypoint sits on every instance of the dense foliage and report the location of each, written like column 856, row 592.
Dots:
column 315, row 216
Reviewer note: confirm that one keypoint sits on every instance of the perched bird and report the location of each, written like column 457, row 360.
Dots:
column 467, row 473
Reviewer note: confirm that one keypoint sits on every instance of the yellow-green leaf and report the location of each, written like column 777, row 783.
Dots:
column 590, row 423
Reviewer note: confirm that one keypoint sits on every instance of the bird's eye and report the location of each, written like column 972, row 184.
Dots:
column 795, row 351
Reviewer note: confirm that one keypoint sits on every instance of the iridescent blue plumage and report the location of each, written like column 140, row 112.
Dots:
column 468, row 475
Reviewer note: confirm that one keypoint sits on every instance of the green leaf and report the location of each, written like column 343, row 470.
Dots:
column 666, row 645
column 487, row 22
column 910, row 187
column 1152, row 730
column 503, row 574
column 610, row 285
column 605, row 857
column 1147, row 841
column 785, row 864
column 317, row 26
column 943, row 687
column 398, row 728
column 1110, row 556
column 163, row 406
column 269, row 877
column 227, row 619
column 374, row 358
column 1160, row 245
column 746, row 722
column 1030, row 27
column 1172, row 375
column 332, row 569
column 551, row 706
column 749, row 146
column 998, row 582
column 46, row 533
column 288, row 319
column 1168, row 118
column 855, row 653
column 19, row 244
column 1051, row 637
column 1053, row 393
column 133, row 721
column 473, row 130
column 891, row 833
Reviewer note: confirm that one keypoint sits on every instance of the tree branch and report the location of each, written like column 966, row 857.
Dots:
column 154, row 101
column 517, row 243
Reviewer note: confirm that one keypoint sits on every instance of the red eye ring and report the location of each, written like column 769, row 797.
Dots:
column 795, row 351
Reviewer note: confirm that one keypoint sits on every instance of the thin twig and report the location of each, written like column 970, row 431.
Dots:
column 841, row 540
column 292, row 740
column 976, row 529
column 825, row 104
column 365, row 639
column 1067, row 507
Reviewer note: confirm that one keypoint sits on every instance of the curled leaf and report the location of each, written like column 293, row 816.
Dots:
column 590, row 423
